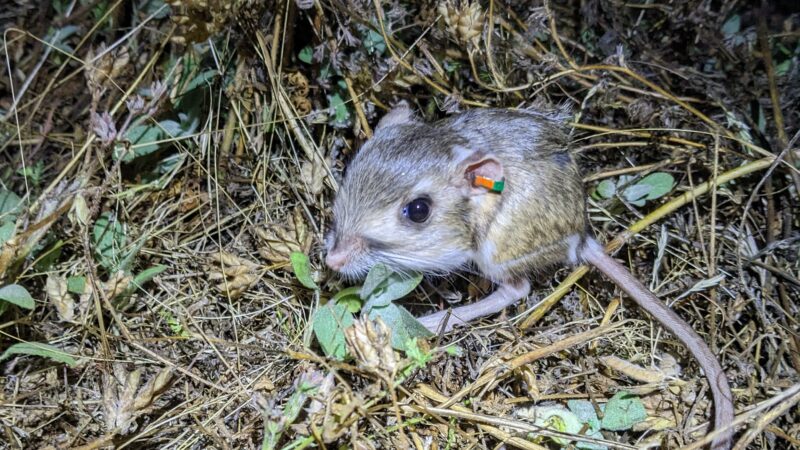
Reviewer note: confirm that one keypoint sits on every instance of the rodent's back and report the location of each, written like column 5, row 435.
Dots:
column 541, row 215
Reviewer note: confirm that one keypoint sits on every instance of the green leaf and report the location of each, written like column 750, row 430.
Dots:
column 606, row 188
column 418, row 357
column 306, row 54
column 329, row 323
column 454, row 350
column 9, row 203
column 18, row 295
column 173, row 323
column 340, row 112
column 144, row 140
column 732, row 25
column 201, row 79
column 637, row 192
column 349, row 297
column 7, row 230
column 76, row 284
column 148, row 274
column 109, row 240
column 374, row 43
column 302, row 269
column 660, row 184
column 559, row 419
column 395, row 286
column 622, row 412
column 403, row 325
column 377, row 275
column 781, row 69
column 143, row 277
column 585, row 412
column 39, row 349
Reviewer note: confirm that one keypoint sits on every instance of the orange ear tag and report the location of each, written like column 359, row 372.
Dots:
column 488, row 183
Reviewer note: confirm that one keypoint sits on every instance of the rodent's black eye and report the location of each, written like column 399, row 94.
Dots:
column 418, row 210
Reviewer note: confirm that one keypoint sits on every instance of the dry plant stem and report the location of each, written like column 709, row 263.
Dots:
column 556, row 37
column 68, row 168
column 300, row 133
column 712, row 242
column 548, row 302
column 518, row 425
column 401, row 59
column 773, row 164
column 498, row 373
column 626, row 170
column 765, row 419
column 362, row 118
column 784, row 400
column 497, row 433
column 498, row 80
column 774, row 95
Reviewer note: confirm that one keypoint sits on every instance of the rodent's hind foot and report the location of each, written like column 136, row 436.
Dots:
column 505, row 295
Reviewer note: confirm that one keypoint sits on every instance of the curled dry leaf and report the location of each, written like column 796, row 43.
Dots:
column 117, row 284
column 235, row 275
column 100, row 73
column 280, row 240
column 313, row 175
column 302, row 105
column 56, row 288
column 371, row 343
column 298, row 84
column 634, row 371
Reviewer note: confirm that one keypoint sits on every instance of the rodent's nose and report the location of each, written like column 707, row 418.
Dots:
column 336, row 259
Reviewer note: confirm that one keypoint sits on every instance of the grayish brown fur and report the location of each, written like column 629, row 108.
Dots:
column 538, row 220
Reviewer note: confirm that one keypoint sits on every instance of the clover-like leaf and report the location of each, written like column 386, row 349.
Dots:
column 606, row 189
column 622, row 411
column 306, row 54
column 329, row 323
column 585, row 412
column 660, row 183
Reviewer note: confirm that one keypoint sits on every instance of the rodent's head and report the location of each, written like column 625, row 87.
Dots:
column 405, row 200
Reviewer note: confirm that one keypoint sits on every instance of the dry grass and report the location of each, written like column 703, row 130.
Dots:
column 254, row 108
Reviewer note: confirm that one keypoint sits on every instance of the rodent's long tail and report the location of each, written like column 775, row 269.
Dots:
column 594, row 254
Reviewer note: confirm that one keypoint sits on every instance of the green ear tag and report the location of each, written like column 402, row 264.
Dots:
column 498, row 186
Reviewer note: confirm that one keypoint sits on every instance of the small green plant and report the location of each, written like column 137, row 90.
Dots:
column 651, row 187
column 276, row 420
column 375, row 299
column 39, row 349
column 17, row 295
column 621, row 413
column 33, row 174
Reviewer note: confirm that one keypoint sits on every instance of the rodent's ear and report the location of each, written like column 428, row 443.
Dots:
column 477, row 164
column 399, row 115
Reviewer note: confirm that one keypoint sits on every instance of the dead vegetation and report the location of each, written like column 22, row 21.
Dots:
column 160, row 163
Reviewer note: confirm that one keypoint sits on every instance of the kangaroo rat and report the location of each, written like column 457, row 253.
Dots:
column 424, row 197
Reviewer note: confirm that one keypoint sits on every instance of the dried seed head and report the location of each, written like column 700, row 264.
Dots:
column 371, row 343
column 464, row 20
